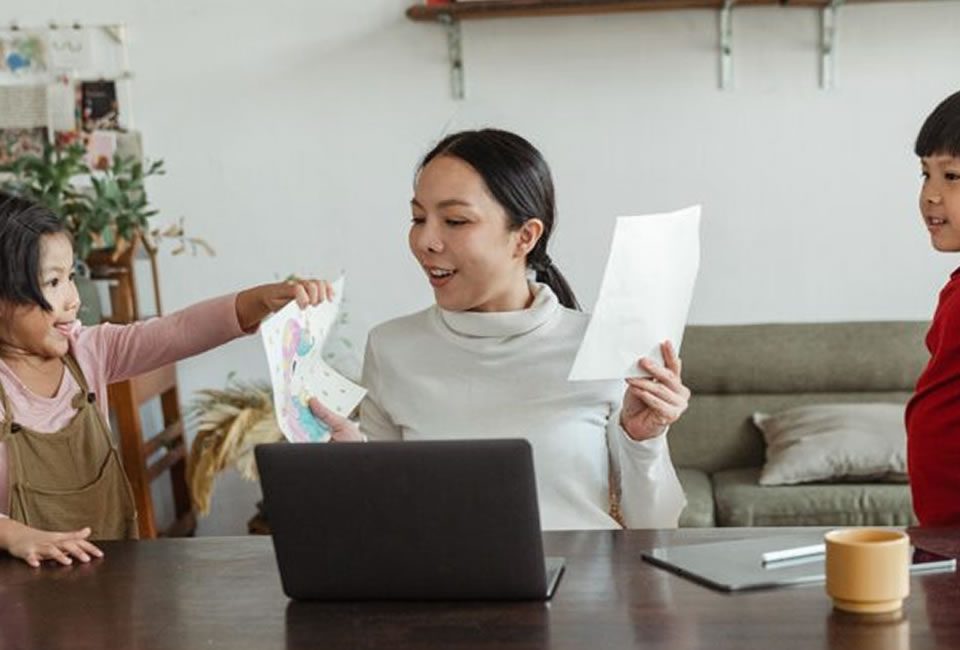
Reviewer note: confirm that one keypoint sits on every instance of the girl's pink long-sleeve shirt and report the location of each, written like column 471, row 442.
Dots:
column 109, row 353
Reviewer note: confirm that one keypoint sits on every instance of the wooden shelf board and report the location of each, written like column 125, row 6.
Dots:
column 521, row 8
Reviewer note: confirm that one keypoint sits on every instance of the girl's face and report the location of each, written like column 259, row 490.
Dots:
column 940, row 201
column 459, row 235
column 30, row 330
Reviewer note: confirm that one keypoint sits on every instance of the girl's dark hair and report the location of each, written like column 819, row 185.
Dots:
column 519, row 179
column 940, row 133
column 22, row 224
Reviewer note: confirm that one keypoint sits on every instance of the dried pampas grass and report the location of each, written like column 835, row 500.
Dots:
column 230, row 423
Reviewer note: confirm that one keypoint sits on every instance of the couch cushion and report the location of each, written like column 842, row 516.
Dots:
column 735, row 370
column 804, row 357
column 741, row 501
column 825, row 442
column 717, row 432
column 699, row 491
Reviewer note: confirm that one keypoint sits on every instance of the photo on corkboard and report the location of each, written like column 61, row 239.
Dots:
column 15, row 143
column 100, row 110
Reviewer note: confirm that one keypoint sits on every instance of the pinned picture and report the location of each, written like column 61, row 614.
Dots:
column 69, row 49
column 22, row 52
column 100, row 110
column 16, row 143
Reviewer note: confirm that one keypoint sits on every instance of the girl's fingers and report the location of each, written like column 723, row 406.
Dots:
column 54, row 553
column 300, row 295
column 83, row 533
column 320, row 291
column 309, row 293
column 312, row 292
column 73, row 549
column 90, row 548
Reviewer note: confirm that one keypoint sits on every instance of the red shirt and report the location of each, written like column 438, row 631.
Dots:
column 933, row 418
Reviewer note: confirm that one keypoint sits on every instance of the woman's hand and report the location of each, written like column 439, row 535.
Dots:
column 341, row 428
column 33, row 546
column 651, row 404
column 256, row 303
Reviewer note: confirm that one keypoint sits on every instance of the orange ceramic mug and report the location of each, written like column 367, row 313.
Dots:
column 868, row 569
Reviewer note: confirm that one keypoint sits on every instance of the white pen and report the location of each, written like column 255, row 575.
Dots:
column 793, row 553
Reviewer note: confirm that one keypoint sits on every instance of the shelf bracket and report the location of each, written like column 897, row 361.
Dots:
column 726, row 45
column 828, row 43
column 117, row 32
column 454, row 53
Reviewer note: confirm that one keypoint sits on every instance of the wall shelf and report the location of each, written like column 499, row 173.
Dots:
column 450, row 16
column 521, row 8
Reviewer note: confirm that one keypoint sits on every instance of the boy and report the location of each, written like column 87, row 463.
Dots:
column 933, row 413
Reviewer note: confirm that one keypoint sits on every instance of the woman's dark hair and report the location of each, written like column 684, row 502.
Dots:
column 22, row 224
column 940, row 133
column 519, row 179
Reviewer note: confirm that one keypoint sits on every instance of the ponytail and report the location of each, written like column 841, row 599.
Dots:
column 550, row 275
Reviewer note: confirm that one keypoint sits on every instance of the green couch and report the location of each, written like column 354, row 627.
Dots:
column 735, row 370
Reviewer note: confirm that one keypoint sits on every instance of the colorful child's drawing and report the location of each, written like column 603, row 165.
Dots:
column 297, row 344
column 22, row 53
column 294, row 339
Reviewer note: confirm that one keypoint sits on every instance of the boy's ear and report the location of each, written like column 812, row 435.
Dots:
column 528, row 235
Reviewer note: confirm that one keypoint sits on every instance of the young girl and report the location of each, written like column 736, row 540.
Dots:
column 59, row 470
column 491, row 358
column 933, row 414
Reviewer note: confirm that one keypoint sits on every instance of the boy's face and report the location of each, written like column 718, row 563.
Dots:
column 940, row 201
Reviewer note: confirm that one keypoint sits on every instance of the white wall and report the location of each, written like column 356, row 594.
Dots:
column 291, row 130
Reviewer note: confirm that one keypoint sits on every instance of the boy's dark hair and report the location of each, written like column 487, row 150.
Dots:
column 519, row 179
column 22, row 225
column 940, row 133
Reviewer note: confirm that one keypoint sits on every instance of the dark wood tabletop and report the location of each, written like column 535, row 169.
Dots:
column 225, row 593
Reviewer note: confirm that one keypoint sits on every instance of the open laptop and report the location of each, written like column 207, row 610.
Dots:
column 438, row 520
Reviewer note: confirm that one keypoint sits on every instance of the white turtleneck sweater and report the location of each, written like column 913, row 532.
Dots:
column 438, row 374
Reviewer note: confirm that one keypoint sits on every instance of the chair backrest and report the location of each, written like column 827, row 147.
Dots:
column 734, row 370
column 140, row 453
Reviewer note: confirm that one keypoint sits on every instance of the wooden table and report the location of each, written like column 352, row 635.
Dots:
column 225, row 593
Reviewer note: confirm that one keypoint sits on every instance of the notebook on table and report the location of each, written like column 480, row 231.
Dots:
column 438, row 520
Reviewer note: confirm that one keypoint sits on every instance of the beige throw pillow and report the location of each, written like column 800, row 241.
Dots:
column 827, row 442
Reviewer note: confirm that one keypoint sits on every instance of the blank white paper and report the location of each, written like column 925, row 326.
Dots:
column 645, row 294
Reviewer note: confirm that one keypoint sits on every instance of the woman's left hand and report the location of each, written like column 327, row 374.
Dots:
column 255, row 304
column 651, row 404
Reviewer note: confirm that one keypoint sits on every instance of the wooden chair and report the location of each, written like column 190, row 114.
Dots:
column 139, row 452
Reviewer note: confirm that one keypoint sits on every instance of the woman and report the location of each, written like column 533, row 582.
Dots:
column 491, row 358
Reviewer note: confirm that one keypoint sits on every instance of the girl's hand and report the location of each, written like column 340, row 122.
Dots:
column 255, row 304
column 651, row 404
column 341, row 428
column 33, row 546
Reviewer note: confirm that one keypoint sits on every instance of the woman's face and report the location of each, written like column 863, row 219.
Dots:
column 459, row 235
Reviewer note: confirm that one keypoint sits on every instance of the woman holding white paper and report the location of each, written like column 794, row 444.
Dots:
column 491, row 358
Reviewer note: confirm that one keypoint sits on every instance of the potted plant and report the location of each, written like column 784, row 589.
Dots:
column 106, row 210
